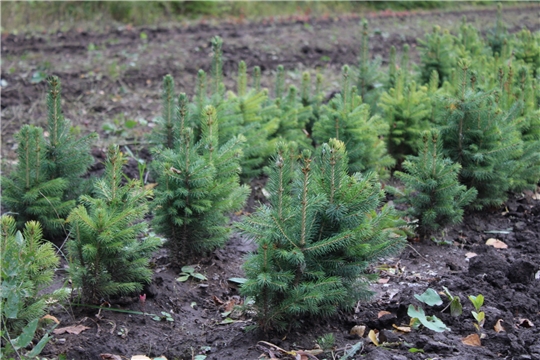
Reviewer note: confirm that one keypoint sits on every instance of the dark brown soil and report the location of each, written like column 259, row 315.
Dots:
column 116, row 74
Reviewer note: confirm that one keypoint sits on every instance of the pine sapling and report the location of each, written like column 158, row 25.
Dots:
column 407, row 109
column 316, row 238
column 347, row 119
column 484, row 139
column 198, row 186
column 109, row 250
column 432, row 188
column 48, row 176
column 27, row 264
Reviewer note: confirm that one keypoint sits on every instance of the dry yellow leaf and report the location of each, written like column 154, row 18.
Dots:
column 496, row 243
column 50, row 317
column 372, row 335
column 383, row 280
column 77, row 329
column 382, row 313
column 498, row 326
column 472, row 340
column 470, row 255
column 406, row 329
column 358, row 330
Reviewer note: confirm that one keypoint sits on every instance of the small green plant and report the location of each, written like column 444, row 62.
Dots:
column 369, row 83
column 120, row 126
column 189, row 272
column 478, row 315
column 327, row 342
column 436, row 53
column 456, row 309
column 418, row 316
column 107, row 256
column 316, row 238
column 27, row 268
column 164, row 316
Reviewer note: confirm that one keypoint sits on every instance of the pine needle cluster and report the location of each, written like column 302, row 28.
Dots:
column 109, row 250
column 316, row 238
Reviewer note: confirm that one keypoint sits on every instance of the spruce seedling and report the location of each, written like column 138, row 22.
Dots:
column 432, row 189
column 316, row 238
column 348, row 119
column 27, row 269
column 107, row 257
column 198, row 186
column 483, row 139
column 48, row 176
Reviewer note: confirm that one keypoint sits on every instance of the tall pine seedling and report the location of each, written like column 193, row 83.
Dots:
column 316, row 237
column 107, row 256
column 198, row 187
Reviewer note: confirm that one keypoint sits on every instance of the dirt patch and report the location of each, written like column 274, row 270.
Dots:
column 116, row 75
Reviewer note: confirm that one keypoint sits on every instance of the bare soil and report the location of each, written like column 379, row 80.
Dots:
column 116, row 74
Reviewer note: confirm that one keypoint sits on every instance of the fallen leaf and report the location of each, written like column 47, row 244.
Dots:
column 472, row 340
column 536, row 196
column 217, row 300
column 140, row 357
column 358, row 330
column 383, row 280
column 382, row 313
column 110, row 357
column 77, row 329
column 50, row 317
column 373, row 337
column 470, row 255
column 406, row 329
column 497, row 244
column 498, row 326
column 525, row 323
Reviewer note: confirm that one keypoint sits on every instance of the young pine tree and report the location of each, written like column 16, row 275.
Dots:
column 407, row 109
column 369, row 74
column 106, row 252
column 27, row 264
column 483, row 139
column 47, row 179
column 432, row 188
column 316, row 238
column 347, row 119
column 27, row 192
column 436, row 53
column 198, row 187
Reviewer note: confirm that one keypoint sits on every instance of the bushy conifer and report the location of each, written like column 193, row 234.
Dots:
column 198, row 187
column 106, row 252
column 369, row 75
column 48, row 175
column 316, row 238
column 436, row 53
column 482, row 138
column 432, row 188
column 497, row 36
column 407, row 109
column 27, row 264
column 347, row 119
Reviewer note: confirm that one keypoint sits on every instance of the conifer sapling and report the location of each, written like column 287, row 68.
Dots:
column 432, row 188
column 316, row 238
column 109, row 249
